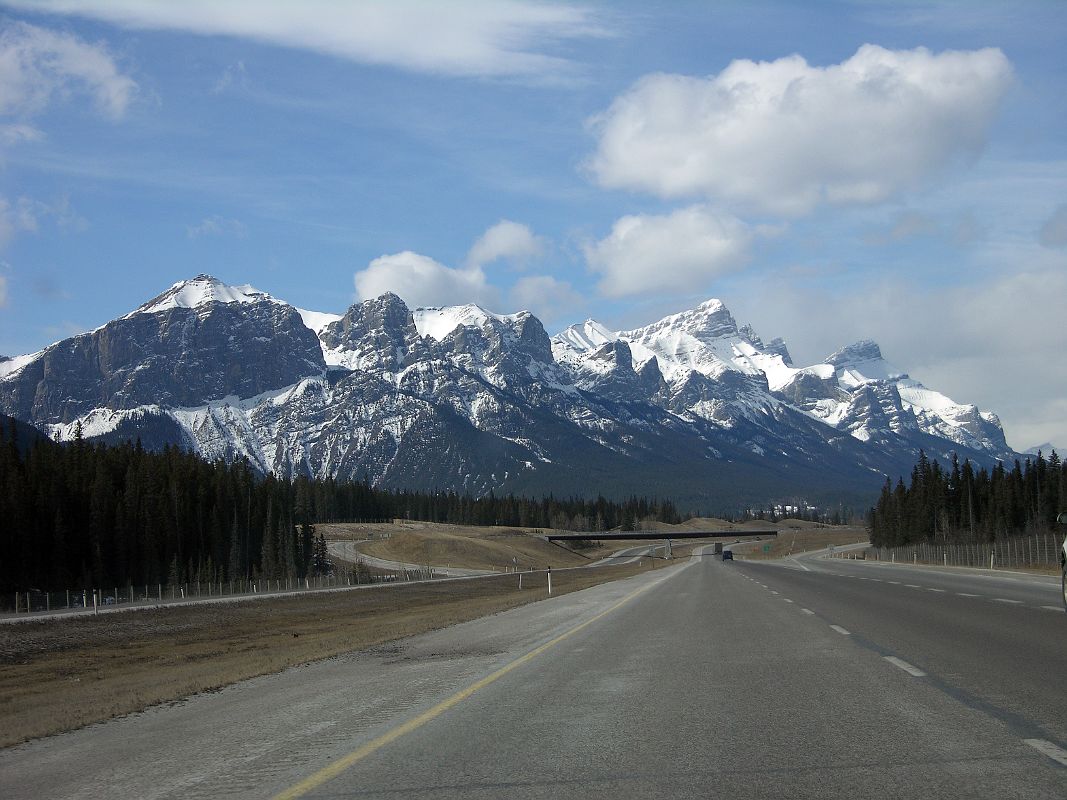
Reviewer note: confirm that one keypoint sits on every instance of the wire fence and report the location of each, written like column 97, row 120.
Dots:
column 1036, row 551
column 156, row 594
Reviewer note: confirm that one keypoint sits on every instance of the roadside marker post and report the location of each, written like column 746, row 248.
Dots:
column 550, row 581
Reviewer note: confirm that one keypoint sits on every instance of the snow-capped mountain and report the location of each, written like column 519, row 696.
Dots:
column 692, row 406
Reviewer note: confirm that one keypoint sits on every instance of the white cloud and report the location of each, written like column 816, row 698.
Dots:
column 25, row 216
column 1054, row 232
column 16, row 218
column 680, row 251
column 478, row 39
column 18, row 132
column 505, row 241
column 421, row 281
column 549, row 299
column 235, row 75
column 37, row 64
column 785, row 136
column 216, row 225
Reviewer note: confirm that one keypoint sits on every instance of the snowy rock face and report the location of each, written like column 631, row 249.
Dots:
column 693, row 406
column 198, row 341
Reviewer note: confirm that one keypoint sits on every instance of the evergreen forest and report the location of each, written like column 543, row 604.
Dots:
column 961, row 504
column 83, row 514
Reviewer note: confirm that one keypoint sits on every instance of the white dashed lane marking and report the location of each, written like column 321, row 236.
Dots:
column 1006, row 600
column 1049, row 749
column 967, row 594
column 840, row 630
column 807, row 611
column 904, row 665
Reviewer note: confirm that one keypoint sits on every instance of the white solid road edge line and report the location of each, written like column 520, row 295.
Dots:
column 1049, row 749
column 904, row 665
column 840, row 630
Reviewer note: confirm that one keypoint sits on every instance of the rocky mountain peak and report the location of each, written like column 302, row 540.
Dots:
column 777, row 347
column 857, row 353
column 202, row 290
column 376, row 333
column 707, row 322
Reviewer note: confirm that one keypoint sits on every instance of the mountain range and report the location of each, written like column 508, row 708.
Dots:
column 693, row 406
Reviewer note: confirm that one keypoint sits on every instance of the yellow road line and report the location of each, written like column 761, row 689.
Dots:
column 331, row 771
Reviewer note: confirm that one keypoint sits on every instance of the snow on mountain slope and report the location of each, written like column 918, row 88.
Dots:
column 439, row 322
column 9, row 366
column 854, row 390
column 317, row 320
column 201, row 290
column 459, row 396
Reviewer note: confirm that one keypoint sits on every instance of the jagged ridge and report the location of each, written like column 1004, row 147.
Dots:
column 693, row 405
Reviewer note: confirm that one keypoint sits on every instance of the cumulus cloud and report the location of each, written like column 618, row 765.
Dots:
column 37, row 64
column 505, row 241
column 1054, row 232
column 504, row 38
column 549, row 299
column 680, row 251
column 784, row 136
column 421, row 281
column 216, row 225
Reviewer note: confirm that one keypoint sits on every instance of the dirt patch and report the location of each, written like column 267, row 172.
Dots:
column 494, row 551
column 58, row 675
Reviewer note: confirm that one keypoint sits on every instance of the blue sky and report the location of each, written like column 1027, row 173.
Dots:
column 808, row 164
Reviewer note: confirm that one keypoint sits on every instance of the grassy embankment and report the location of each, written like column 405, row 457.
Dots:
column 798, row 536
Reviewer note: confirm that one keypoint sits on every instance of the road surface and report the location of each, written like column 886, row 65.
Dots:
column 702, row 679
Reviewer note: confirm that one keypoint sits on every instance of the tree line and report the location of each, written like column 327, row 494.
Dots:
column 83, row 515
column 962, row 504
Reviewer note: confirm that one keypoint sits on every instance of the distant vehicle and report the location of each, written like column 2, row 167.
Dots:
column 727, row 555
column 1062, row 519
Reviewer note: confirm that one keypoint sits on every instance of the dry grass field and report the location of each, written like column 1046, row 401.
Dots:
column 63, row 674
column 797, row 536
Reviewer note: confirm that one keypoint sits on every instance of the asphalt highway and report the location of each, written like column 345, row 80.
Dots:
column 707, row 679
